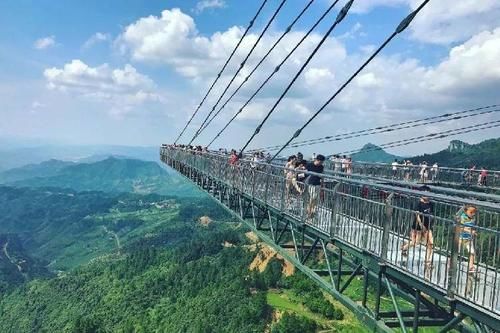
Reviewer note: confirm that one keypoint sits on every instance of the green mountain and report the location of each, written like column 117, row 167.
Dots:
column 373, row 153
column 44, row 169
column 66, row 228
column 109, row 175
column 145, row 264
column 463, row 155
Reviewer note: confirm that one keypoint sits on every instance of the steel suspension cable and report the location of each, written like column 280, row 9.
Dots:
column 428, row 137
column 287, row 30
column 388, row 128
column 276, row 70
column 242, row 64
column 342, row 14
column 250, row 25
column 400, row 28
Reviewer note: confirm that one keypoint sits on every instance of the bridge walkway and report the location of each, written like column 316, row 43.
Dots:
column 370, row 222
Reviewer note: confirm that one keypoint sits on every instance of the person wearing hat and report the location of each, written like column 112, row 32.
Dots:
column 313, row 183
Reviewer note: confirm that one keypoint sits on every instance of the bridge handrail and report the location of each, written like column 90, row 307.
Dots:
column 389, row 188
column 417, row 166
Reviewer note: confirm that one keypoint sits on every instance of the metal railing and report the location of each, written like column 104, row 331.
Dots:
column 376, row 218
column 418, row 174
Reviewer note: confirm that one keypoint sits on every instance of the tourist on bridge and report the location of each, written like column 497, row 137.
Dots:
column 408, row 170
column 300, row 159
column 424, row 172
column 434, row 172
column 421, row 229
column 300, row 168
column 337, row 163
column 343, row 162
column 313, row 183
column 289, row 173
column 395, row 165
column 233, row 158
column 466, row 237
column 468, row 175
column 483, row 175
column 255, row 160
column 348, row 169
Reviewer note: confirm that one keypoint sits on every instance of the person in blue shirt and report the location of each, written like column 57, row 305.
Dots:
column 467, row 232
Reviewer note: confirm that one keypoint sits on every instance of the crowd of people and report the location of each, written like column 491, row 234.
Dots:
column 303, row 178
column 406, row 170
column 469, row 175
column 342, row 163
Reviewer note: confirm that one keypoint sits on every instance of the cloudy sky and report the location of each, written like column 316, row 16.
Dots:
column 131, row 72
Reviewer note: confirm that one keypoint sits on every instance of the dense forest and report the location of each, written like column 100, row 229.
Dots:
column 82, row 260
column 183, row 277
column 462, row 155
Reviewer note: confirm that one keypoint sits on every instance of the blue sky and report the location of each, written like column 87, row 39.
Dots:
column 131, row 72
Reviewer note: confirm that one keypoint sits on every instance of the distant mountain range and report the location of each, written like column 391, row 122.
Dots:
column 109, row 175
column 15, row 157
column 458, row 154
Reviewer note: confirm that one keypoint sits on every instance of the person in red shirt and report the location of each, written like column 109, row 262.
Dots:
column 233, row 158
column 482, row 177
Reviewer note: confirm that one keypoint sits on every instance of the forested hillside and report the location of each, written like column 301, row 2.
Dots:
column 109, row 175
column 167, row 272
column 462, row 155
column 81, row 260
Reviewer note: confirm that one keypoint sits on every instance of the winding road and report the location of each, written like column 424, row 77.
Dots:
column 7, row 255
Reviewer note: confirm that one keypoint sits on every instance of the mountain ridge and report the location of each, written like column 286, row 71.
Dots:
column 109, row 175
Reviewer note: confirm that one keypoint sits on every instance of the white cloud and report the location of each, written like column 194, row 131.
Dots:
column 451, row 21
column 203, row 5
column 471, row 67
column 122, row 88
column 37, row 105
column 173, row 39
column 443, row 21
column 354, row 32
column 367, row 80
column 315, row 76
column 392, row 88
column 45, row 43
column 98, row 37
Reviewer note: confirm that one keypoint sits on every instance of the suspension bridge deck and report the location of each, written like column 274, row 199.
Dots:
column 368, row 222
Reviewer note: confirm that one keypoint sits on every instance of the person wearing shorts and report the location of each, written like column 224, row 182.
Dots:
column 313, row 183
column 421, row 229
column 467, row 232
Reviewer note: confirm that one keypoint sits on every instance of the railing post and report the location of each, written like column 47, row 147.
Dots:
column 453, row 264
column 386, row 228
column 333, row 220
column 383, row 251
column 267, row 185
